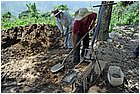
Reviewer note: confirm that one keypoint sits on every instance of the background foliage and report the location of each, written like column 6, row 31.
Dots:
column 124, row 13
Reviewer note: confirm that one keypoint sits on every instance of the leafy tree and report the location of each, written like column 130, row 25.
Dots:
column 47, row 14
column 7, row 15
column 31, row 11
column 126, row 3
column 7, row 20
column 62, row 7
column 125, row 13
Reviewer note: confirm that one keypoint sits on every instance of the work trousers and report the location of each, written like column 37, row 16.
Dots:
column 76, row 54
column 67, row 38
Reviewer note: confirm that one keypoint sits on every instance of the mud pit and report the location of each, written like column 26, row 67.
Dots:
column 28, row 53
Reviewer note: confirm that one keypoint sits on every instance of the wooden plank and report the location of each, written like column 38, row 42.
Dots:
column 104, row 4
column 86, row 71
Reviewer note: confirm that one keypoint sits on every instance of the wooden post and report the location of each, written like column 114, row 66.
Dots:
column 105, row 21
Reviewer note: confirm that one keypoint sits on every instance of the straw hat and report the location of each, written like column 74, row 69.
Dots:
column 81, row 13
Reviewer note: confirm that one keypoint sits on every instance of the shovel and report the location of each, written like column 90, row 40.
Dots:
column 59, row 66
column 62, row 36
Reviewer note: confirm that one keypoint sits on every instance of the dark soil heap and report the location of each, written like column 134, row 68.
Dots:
column 27, row 55
column 28, row 40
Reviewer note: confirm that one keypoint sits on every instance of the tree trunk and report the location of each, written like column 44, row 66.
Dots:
column 105, row 21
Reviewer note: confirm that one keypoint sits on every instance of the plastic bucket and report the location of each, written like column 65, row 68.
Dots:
column 115, row 75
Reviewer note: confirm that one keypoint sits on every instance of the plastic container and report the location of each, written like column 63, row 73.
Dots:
column 115, row 75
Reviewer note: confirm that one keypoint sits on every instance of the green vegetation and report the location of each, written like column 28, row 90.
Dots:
column 125, row 13
column 29, row 16
column 122, row 14
column 32, row 11
column 62, row 7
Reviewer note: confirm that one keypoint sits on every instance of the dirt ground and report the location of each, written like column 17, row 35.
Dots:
column 29, row 52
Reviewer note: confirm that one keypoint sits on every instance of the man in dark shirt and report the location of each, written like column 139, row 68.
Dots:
column 84, row 21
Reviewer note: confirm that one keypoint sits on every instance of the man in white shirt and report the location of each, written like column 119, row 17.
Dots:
column 64, row 22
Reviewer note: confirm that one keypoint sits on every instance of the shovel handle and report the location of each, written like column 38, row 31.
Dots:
column 62, row 36
column 75, row 47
